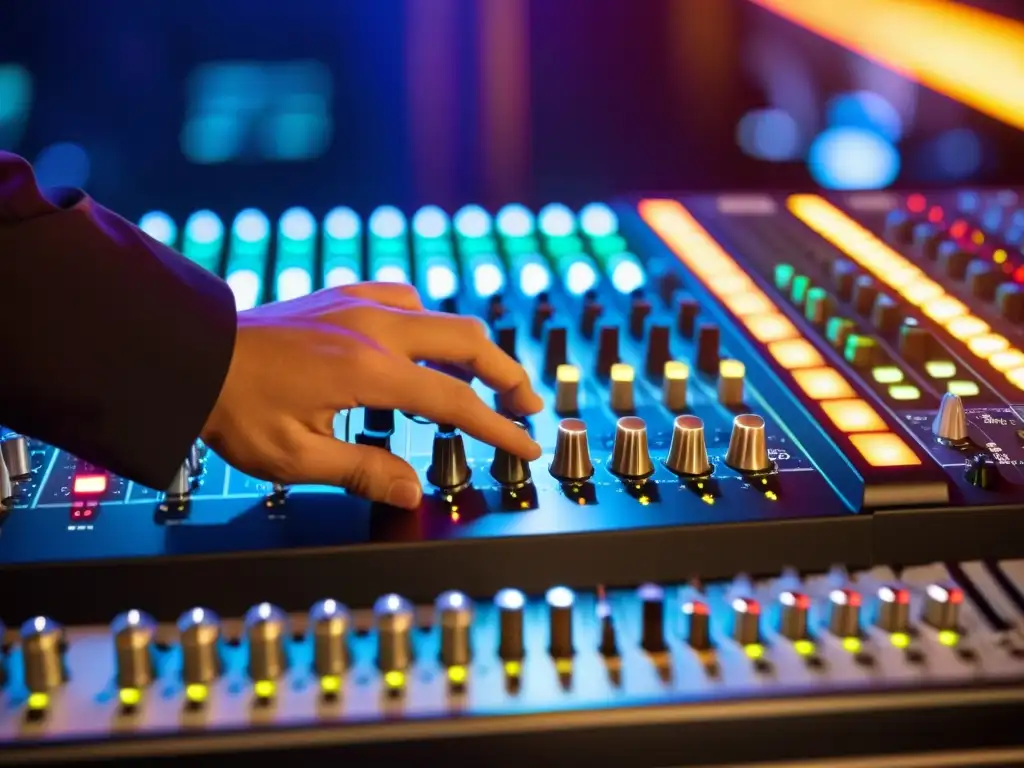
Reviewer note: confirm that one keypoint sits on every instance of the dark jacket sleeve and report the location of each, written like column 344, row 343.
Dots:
column 112, row 346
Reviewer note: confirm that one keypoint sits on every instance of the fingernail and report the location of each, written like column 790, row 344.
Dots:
column 404, row 494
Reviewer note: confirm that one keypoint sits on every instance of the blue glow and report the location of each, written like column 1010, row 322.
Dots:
column 488, row 279
column 204, row 227
column 580, row 278
column 340, row 276
column 866, row 111
column 62, row 165
column 387, row 222
column 297, row 224
column 342, row 224
column 245, row 285
column 251, row 226
column 160, row 227
column 769, row 134
column 968, row 201
column 391, row 273
column 15, row 102
column 627, row 275
column 472, row 221
column 515, row 220
column 598, row 220
column 556, row 220
column 441, row 282
column 959, row 153
column 430, row 222
column 534, row 278
column 293, row 283
column 852, row 158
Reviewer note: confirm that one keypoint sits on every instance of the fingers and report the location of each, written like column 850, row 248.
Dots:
column 463, row 341
column 446, row 400
column 396, row 295
column 372, row 473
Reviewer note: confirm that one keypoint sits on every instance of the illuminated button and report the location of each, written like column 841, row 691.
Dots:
column 90, row 484
column 731, row 374
column 942, row 607
column 567, row 384
column 904, row 392
column 818, row 306
column 748, row 303
column 853, row 416
column 795, row 353
column 799, row 288
column 770, row 327
column 988, row 344
column 746, row 621
column 844, row 613
column 944, row 309
column 860, row 350
column 940, row 369
column 893, row 612
column 837, row 330
column 784, row 274
column 964, row 328
column 1007, row 361
column 884, row 450
column 823, row 384
column 963, row 388
column 887, row 374
column 674, row 385
column 622, row 377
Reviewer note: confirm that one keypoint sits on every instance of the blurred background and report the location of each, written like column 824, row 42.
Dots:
column 176, row 104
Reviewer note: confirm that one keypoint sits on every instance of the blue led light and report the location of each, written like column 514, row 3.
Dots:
column 441, row 282
column 853, row 158
column 627, row 275
column 251, row 226
column 387, row 223
column 534, row 278
column 430, row 222
column 488, row 279
column 293, row 283
column 391, row 273
column 245, row 285
column 556, row 220
column 340, row 276
column 515, row 220
column 580, row 278
column 342, row 224
column 598, row 220
column 204, row 227
column 160, row 227
column 297, row 224
column 472, row 221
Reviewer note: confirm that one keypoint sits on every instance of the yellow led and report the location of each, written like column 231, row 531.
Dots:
column 987, row 345
column 900, row 639
column 948, row 637
column 921, row 291
column 999, row 256
column 853, row 416
column 563, row 666
column 823, row 384
column 1016, row 377
column 1007, row 361
column 395, row 678
column 568, row 374
column 725, row 285
column 37, row 701
column 940, row 369
column 513, row 668
column 944, row 308
column 196, row 693
column 754, row 650
column 676, row 370
column 963, row 388
column 884, row 449
column 852, row 644
column 964, row 328
column 978, row 238
column 264, row 689
column 748, row 303
column 804, row 647
column 770, row 327
column 457, row 675
column 731, row 369
column 129, row 696
column 795, row 353
column 330, row 684
column 622, row 372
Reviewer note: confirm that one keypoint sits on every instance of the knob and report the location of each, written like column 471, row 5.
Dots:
column 864, row 293
column 622, row 377
column 899, row 227
column 571, row 461
column 982, row 471
column 42, row 654
column 560, row 601
column 592, row 310
column 915, row 342
column 181, row 486
column 942, row 607
column 953, row 260
column 609, row 645
column 844, row 272
column 195, row 459
column 652, row 611
column 555, row 350
column 818, row 306
column 731, row 374
column 134, row 634
column 393, row 617
column 793, row 609
column 329, row 625
column 542, row 312
column 505, row 337
column 675, row 377
column 510, row 604
column 199, row 630
column 607, row 349
column 510, row 470
column 639, row 310
column 686, row 316
column 455, row 616
column 15, row 453
column 1010, row 302
column 950, row 422
column 697, row 630
column 658, row 352
column 983, row 278
column 893, row 609
column 379, row 421
column 567, row 389
column 926, row 239
column 266, row 628
column 688, row 453
column 630, row 456
column 844, row 613
column 748, row 451
column 449, row 469
column 707, row 349
column 746, row 621
column 6, row 488
column 886, row 314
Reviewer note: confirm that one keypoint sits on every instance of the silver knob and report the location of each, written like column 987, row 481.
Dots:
column 449, row 469
column 42, row 654
column 688, row 453
column 15, row 453
column 455, row 615
column 266, row 627
column 844, row 613
column 630, row 455
column 893, row 609
column 950, row 422
column 6, row 489
column 942, row 606
column 134, row 633
column 199, row 630
column 748, row 451
column 571, row 461
column 195, row 458
column 394, row 619
column 329, row 624
column 181, row 486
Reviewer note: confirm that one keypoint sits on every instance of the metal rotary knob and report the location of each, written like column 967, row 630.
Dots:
column 455, row 617
column 42, row 654
column 793, row 611
column 571, row 461
column 631, row 458
column 449, row 469
column 510, row 604
column 15, row 454
column 748, row 449
column 329, row 626
column 508, row 469
column 134, row 635
column 688, row 453
column 393, row 616
column 942, row 606
column 950, row 424
column 893, row 609
column 199, row 631
column 844, row 612
column 266, row 629
column 181, row 486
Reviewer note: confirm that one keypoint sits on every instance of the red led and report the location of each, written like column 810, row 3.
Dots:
column 916, row 203
column 83, row 513
column 959, row 229
column 696, row 608
column 902, row 597
column 1019, row 274
column 90, row 485
column 935, row 214
column 746, row 605
column 956, row 596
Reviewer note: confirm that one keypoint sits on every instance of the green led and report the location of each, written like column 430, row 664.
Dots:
column 342, row 247
column 940, row 369
column 887, row 374
column 471, row 246
column 296, row 254
column 963, row 388
column 816, row 306
column 521, row 245
column 837, row 330
column 559, row 246
column 859, row 350
column 904, row 392
column 602, row 246
column 204, row 239
column 798, row 289
column 784, row 274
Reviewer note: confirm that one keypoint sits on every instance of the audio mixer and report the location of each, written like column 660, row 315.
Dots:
column 827, row 388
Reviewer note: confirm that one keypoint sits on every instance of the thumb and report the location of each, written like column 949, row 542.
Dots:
column 373, row 473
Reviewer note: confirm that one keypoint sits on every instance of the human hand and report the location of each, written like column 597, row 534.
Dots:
column 298, row 363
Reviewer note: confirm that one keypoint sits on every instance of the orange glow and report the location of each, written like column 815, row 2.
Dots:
column 771, row 327
column 965, row 53
column 795, row 353
column 823, row 384
column 884, row 449
column 853, row 416
column 748, row 303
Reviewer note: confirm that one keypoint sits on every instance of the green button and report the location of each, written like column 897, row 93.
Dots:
column 887, row 374
column 798, row 289
column 859, row 350
column 963, row 388
column 836, row 331
column 904, row 392
column 784, row 276
column 940, row 369
column 818, row 306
